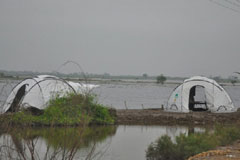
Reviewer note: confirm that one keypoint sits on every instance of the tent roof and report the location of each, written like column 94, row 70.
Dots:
column 200, row 78
column 39, row 89
column 203, row 79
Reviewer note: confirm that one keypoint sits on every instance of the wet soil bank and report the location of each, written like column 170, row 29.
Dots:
column 160, row 117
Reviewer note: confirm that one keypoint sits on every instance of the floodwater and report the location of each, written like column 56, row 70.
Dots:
column 105, row 142
column 133, row 95
column 129, row 95
column 145, row 95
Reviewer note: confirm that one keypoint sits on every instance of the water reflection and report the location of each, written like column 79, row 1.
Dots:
column 97, row 142
column 52, row 143
column 131, row 142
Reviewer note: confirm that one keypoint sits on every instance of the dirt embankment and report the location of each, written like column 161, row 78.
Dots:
column 160, row 117
column 231, row 152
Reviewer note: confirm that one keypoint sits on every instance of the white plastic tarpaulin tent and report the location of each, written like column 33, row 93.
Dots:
column 216, row 99
column 37, row 91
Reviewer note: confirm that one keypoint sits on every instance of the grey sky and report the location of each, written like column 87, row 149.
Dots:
column 173, row 37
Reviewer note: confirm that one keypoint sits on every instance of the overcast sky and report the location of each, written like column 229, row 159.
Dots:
column 173, row 37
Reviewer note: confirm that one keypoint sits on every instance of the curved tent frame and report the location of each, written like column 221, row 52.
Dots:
column 39, row 90
column 217, row 99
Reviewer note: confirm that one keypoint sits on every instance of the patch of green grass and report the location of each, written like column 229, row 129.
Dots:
column 73, row 109
column 186, row 146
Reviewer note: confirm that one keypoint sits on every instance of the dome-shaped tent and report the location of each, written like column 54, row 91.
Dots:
column 37, row 91
column 216, row 99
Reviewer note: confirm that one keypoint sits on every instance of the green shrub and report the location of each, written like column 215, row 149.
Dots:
column 227, row 135
column 73, row 109
column 165, row 147
column 186, row 146
column 101, row 115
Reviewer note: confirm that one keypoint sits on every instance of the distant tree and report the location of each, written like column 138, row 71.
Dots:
column 106, row 75
column 233, row 80
column 2, row 75
column 145, row 75
column 161, row 79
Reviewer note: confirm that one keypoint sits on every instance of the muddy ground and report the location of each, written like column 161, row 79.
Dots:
column 160, row 117
column 230, row 152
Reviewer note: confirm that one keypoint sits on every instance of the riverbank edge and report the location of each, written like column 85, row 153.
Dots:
column 160, row 117
column 155, row 116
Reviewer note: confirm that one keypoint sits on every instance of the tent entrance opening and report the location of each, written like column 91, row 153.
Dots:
column 197, row 99
column 15, row 106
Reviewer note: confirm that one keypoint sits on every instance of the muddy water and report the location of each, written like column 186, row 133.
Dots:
column 108, row 142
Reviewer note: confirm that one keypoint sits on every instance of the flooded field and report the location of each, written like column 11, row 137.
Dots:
column 145, row 95
column 130, row 95
column 106, row 142
column 134, row 96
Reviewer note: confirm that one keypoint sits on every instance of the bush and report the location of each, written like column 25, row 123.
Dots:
column 73, row 109
column 165, row 147
column 101, row 115
column 186, row 146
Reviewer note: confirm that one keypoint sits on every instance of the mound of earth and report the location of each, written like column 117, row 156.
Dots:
column 158, row 116
column 231, row 152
